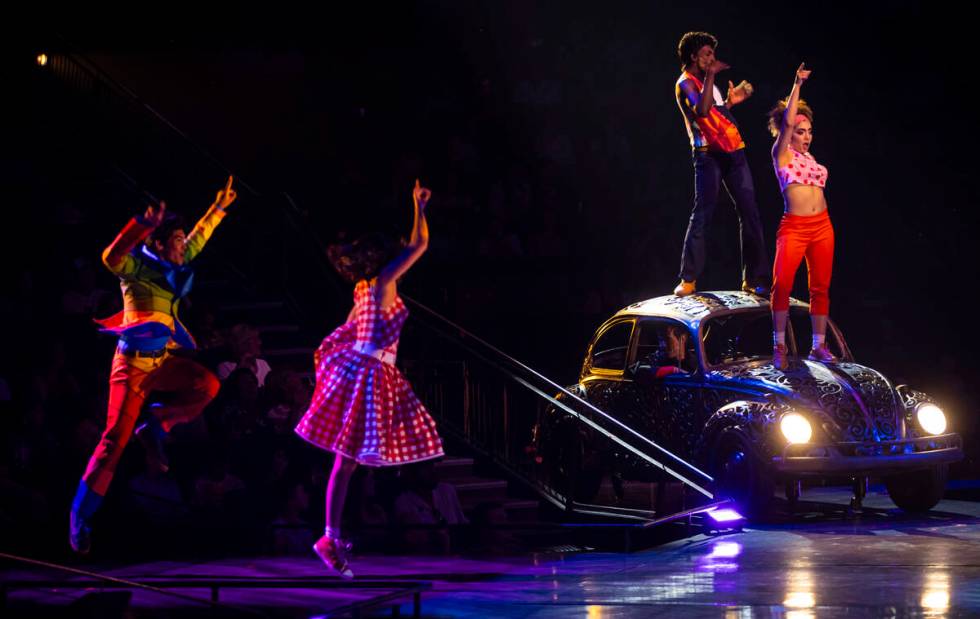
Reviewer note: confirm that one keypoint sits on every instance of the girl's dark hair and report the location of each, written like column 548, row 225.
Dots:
column 776, row 114
column 362, row 258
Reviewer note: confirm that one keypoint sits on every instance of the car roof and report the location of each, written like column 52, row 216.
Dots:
column 698, row 306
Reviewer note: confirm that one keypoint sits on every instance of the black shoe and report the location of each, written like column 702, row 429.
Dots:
column 153, row 445
column 758, row 290
column 79, row 535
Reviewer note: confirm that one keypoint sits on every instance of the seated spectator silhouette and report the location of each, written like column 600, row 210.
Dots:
column 427, row 507
column 235, row 413
column 286, row 399
column 217, row 490
column 292, row 533
column 246, row 347
column 155, row 496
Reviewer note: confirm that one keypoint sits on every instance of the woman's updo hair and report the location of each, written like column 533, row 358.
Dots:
column 776, row 114
column 362, row 258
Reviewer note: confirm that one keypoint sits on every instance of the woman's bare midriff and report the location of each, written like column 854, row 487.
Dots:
column 804, row 200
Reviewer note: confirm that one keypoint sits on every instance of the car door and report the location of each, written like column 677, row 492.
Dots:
column 664, row 401
column 606, row 384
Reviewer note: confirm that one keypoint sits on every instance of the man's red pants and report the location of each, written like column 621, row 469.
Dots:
column 191, row 387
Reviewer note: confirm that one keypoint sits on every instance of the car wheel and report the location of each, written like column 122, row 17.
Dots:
column 742, row 477
column 575, row 469
column 918, row 491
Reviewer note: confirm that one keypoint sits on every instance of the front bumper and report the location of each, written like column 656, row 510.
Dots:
column 886, row 457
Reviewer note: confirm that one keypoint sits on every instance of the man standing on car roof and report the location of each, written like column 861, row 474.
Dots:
column 719, row 157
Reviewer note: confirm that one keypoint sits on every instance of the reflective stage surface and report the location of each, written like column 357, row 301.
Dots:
column 877, row 564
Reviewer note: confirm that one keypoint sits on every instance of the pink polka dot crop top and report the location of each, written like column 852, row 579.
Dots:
column 803, row 170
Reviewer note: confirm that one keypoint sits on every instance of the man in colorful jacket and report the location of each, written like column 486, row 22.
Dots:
column 151, row 257
column 719, row 157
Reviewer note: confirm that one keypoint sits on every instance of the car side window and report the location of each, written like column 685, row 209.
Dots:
column 664, row 343
column 740, row 336
column 609, row 351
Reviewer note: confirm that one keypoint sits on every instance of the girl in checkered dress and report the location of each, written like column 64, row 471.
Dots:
column 363, row 409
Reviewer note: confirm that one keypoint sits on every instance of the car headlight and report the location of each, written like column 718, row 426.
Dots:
column 931, row 418
column 796, row 428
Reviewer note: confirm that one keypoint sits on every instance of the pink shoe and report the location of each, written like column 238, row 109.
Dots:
column 330, row 552
column 822, row 354
column 779, row 356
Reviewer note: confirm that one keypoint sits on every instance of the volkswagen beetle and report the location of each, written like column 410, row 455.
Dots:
column 694, row 376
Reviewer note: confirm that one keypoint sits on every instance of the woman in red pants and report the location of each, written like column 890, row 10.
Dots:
column 805, row 230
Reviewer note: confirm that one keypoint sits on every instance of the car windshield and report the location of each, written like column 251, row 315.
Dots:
column 745, row 336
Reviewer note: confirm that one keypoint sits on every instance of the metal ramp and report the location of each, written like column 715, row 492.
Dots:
column 493, row 402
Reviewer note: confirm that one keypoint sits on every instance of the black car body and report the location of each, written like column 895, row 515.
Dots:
column 722, row 407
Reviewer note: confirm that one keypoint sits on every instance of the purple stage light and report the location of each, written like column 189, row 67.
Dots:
column 725, row 515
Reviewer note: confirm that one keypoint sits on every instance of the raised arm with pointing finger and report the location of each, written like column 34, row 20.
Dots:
column 363, row 410
column 151, row 256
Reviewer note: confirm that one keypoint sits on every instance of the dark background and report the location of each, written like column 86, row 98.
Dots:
column 550, row 137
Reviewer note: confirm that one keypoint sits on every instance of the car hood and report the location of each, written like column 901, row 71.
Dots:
column 855, row 402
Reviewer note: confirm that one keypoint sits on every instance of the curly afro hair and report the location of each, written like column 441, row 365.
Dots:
column 690, row 43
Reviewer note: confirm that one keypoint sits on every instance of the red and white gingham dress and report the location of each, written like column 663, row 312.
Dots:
column 364, row 408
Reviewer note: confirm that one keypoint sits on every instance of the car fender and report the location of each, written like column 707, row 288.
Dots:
column 751, row 419
column 557, row 422
column 910, row 399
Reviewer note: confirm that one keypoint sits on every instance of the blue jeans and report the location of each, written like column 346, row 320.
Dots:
column 711, row 169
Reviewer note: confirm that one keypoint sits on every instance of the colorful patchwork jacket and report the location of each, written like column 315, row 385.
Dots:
column 152, row 287
column 718, row 130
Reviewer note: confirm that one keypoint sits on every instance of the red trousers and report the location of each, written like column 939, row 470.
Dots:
column 191, row 387
column 798, row 237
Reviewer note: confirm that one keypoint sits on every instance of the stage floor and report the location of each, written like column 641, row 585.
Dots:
column 821, row 564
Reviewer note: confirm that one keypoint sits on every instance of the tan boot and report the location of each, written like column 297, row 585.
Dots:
column 684, row 288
